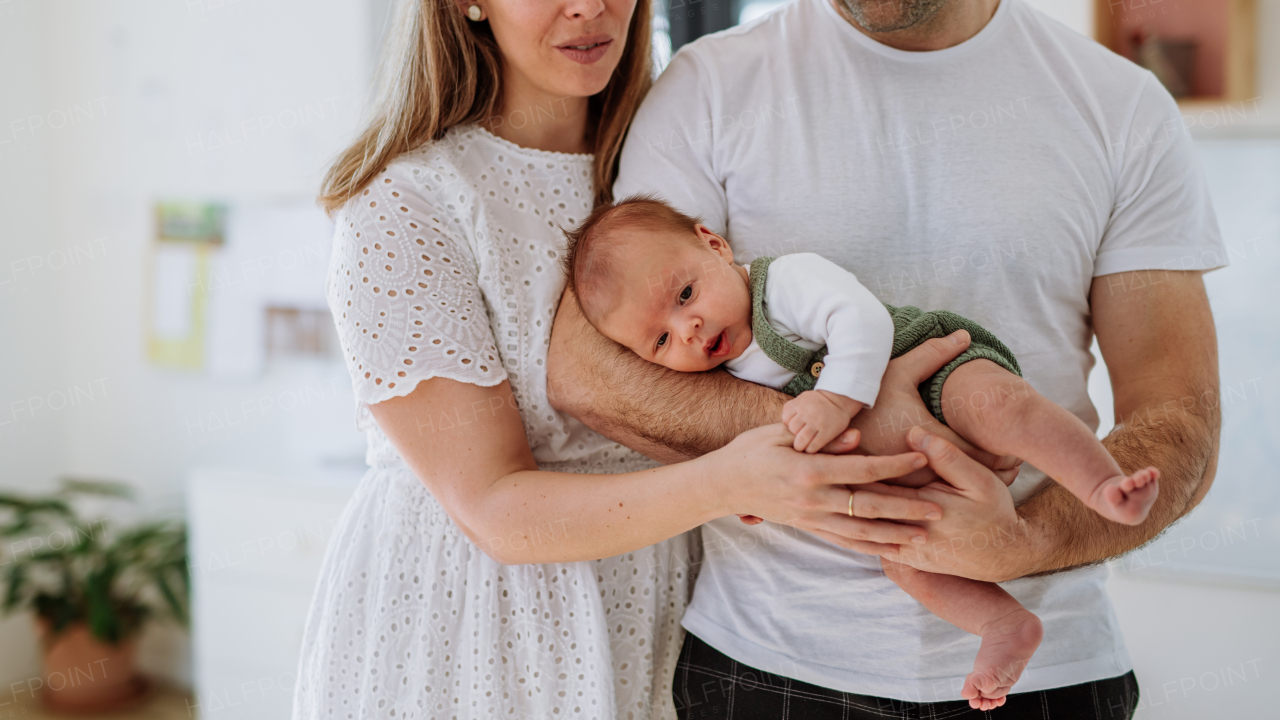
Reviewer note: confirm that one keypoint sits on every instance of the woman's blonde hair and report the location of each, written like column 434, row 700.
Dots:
column 440, row 69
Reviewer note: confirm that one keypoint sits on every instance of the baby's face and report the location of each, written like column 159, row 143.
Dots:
column 681, row 306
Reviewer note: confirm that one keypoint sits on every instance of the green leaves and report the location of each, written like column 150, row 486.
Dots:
column 70, row 570
column 176, row 606
column 102, row 619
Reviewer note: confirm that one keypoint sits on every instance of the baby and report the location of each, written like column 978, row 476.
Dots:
column 665, row 286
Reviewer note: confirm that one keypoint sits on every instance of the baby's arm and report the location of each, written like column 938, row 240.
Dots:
column 825, row 304
column 816, row 417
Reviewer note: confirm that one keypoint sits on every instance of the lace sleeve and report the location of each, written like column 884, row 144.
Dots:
column 404, row 295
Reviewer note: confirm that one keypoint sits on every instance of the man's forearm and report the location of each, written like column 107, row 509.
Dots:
column 1156, row 333
column 1181, row 441
column 666, row 415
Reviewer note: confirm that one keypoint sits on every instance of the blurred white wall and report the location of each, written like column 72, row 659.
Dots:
column 236, row 101
column 110, row 105
column 32, row 448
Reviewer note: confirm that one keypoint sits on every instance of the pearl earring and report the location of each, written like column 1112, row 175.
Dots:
column 475, row 13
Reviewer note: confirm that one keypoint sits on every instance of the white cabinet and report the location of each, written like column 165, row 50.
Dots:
column 257, row 542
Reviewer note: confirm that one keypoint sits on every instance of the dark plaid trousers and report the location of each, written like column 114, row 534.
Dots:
column 712, row 686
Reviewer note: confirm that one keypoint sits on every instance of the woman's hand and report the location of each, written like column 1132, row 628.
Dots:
column 759, row 473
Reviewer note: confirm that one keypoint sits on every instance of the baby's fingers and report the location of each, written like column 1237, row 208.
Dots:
column 804, row 438
column 822, row 437
column 794, row 424
column 846, row 441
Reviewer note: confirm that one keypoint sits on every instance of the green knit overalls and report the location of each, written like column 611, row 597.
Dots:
column 911, row 327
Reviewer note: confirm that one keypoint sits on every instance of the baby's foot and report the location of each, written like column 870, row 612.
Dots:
column 1127, row 499
column 1007, row 647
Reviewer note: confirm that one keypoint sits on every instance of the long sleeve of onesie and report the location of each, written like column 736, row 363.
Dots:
column 811, row 297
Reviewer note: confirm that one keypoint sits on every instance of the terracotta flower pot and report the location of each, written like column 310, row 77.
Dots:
column 82, row 674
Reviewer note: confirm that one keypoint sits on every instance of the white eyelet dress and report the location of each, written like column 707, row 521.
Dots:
column 448, row 266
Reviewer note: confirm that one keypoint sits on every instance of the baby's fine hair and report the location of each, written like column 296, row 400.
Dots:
column 590, row 261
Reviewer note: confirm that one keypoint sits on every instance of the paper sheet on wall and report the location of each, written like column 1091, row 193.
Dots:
column 178, row 299
column 175, row 269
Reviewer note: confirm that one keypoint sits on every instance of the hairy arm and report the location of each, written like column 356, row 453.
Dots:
column 1157, row 337
column 666, row 415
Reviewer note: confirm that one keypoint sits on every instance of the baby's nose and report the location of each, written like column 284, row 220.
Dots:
column 691, row 330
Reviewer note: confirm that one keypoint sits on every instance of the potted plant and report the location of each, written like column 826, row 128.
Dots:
column 92, row 587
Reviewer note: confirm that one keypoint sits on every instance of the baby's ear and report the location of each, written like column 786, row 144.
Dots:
column 713, row 241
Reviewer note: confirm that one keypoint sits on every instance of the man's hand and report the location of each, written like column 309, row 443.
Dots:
column 980, row 535
column 816, row 417
column 899, row 408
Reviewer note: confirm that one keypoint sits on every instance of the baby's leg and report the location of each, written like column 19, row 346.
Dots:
column 1000, row 412
column 1010, row 633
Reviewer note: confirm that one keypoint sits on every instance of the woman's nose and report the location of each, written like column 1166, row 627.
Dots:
column 584, row 9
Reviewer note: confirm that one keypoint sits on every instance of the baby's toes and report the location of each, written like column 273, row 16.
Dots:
column 1146, row 476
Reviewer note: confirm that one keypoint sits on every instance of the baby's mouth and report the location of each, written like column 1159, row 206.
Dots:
column 721, row 342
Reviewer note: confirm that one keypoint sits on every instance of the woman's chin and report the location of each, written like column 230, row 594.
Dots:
column 583, row 81
column 586, row 88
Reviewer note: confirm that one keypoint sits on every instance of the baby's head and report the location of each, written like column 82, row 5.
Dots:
column 661, row 283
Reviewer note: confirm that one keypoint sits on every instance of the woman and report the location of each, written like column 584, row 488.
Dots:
column 498, row 558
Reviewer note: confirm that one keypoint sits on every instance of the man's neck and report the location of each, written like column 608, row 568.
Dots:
column 956, row 22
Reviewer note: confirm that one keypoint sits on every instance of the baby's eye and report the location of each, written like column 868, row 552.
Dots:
column 662, row 340
column 686, row 293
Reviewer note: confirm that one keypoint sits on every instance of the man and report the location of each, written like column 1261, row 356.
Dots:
column 966, row 155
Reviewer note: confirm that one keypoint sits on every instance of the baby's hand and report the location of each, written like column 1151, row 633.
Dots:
column 816, row 417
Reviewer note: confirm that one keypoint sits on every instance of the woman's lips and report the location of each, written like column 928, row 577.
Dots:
column 586, row 52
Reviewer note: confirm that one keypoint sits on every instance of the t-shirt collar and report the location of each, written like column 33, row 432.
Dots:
column 991, row 28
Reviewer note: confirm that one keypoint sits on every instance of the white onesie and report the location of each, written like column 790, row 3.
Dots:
column 812, row 302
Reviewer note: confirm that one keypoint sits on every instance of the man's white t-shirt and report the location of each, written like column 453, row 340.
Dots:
column 995, row 179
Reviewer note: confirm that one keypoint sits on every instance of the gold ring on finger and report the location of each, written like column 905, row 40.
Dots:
column 850, row 503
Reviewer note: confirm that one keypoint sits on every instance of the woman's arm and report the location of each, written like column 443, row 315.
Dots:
column 467, row 445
